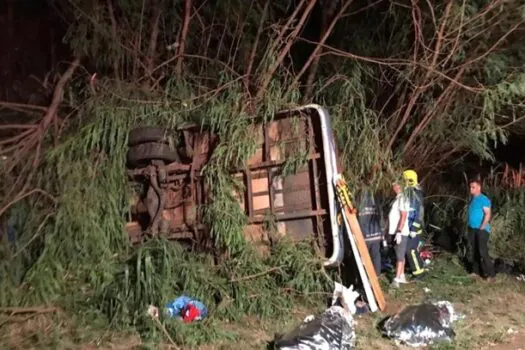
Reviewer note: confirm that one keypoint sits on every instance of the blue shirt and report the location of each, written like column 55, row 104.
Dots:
column 475, row 211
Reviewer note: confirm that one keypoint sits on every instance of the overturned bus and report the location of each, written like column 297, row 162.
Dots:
column 302, row 204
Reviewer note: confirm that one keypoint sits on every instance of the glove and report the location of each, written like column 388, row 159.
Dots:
column 398, row 238
column 413, row 234
column 385, row 243
column 416, row 229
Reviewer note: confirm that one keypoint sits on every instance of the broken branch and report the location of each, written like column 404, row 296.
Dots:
column 29, row 310
column 319, row 46
column 14, row 105
column 269, row 74
column 260, row 274
column 22, row 196
column 253, row 52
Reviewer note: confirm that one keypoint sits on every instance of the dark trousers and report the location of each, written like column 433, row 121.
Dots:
column 374, row 249
column 479, row 259
column 415, row 263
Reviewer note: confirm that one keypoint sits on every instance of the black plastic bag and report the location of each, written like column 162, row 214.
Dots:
column 331, row 330
column 424, row 324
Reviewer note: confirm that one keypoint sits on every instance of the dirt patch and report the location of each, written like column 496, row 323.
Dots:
column 393, row 306
column 46, row 331
column 18, row 332
column 513, row 342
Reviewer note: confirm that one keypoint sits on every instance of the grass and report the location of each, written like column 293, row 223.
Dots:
column 490, row 310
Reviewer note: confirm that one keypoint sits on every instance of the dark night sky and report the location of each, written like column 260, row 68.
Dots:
column 31, row 44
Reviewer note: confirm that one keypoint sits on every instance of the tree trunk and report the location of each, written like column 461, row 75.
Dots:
column 116, row 59
column 183, row 36
column 10, row 39
column 152, row 48
column 329, row 12
column 267, row 77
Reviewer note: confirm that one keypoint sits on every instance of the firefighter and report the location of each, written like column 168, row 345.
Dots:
column 369, row 217
column 415, row 223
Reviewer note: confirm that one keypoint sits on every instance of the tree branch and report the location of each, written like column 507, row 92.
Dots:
column 183, row 36
column 260, row 274
column 428, row 117
column 392, row 63
column 419, row 90
column 28, row 310
column 24, row 195
column 314, row 56
column 152, row 47
column 253, row 52
column 267, row 78
column 14, row 105
column 116, row 68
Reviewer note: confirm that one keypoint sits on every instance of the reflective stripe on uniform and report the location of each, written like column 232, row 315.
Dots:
column 368, row 211
column 418, row 269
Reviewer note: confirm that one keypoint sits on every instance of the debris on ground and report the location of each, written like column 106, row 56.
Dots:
column 183, row 308
column 333, row 329
column 187, row 309
column 361, row 307
column 426, row 255
column 346, row 296
column 153, row 312
column 423, row 324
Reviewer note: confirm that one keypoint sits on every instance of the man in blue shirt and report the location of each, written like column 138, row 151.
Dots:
column 479, row 213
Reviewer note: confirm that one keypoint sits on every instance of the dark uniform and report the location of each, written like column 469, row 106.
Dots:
column 369, row 217
column 415, row 224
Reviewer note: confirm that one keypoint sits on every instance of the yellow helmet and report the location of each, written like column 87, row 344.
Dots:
column 410, row 177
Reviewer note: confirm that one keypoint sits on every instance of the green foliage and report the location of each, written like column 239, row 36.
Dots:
column 367, row 96
column 245, row 285
column 507, row 240
column 445, row 218
column 358, row 129
column 83, row 260
column 227, row 232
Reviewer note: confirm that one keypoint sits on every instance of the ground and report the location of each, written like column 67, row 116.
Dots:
column 495, row 319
